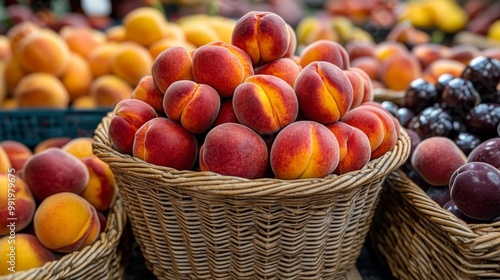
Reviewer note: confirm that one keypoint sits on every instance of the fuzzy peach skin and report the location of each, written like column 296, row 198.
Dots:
column 283, row 68
column 325, row 50
column 226, row 113
column 304, row 149
column 265, row 103
column 324, row 92
column 17, row 152
column 436, row 158
column 354, row 147
column 131, row 62
column 5, row 164
column 101, row 190
column 163, row 142
column 148, row 92
column 397, row 72
column 368, row 64
column 70, row 212
column 221, row 66
column 53, row 171
column 145, row 25
column 79, row 147
column 292, row 44
column 53, row 142
column 358, row 87
column 195, row 106
column 171, row 65
column 108, row 90
column 15, row 190
column 29, row 253
column 264, row 36
column 367, row 84
column 41, row 90
column 235, row 150
column 128, row 116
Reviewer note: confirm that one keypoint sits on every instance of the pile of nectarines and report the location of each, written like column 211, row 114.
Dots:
column 253, row 108
column 56, row 198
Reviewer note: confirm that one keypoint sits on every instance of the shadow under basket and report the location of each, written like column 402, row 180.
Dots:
column 100, row 260
column 421, row 240
column 203, row 225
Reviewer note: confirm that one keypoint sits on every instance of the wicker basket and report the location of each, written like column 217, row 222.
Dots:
column 383, row 94
column 202, row 225
column 101, row 260
column 420, row 240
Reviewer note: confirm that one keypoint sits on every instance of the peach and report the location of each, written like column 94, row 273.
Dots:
column 163, row 142
column 116, row 34
column 145, row 25
column 101, row 190
column 171, row 65
column 398, row 71
column 354, row 147
column 264, row 36
column 358, row 87
column 19, row 32
column 367, row 84
column 128, row 116
column 13, row 74
column 82, row 40
column 265, row 103
column 194, row 106
column 324, row 92
column 84, row 102
column 284, row 68
column 4, row 160
column 233, row 149
column 100, row 59
column 79, row 147
column 463, row 53
column 159, row 46
column 357, row 49
column 428, row 53
column 132, row 62
column 442, row 66
column 292, row 45
column 53, row 142
column 226, row 113
column 44, row 51
column 103, row 220
column 324, row 50
column 29, row 253
column 232, row 68
column 78, row 77
column 108, row 90
column 387, row 49
column 17, row 152
column 17, row 204
column 368, row 64
column 41, row 90
column 148, row 92
column 53, row 171
column 436, row 158
column 70, row 212
column 304, row 149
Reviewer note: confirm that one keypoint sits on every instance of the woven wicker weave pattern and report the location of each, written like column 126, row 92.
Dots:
column 420, row 240
column 101, row 260
column 201, row 225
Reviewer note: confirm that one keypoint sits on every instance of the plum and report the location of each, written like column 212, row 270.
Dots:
column 488, row 151
column 440, row 195
column 452, row 207
column 475, row 189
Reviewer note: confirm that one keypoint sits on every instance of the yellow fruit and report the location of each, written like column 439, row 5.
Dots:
column 494, row 31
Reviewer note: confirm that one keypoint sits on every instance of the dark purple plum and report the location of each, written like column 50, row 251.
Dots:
column 475, row 189
column 483, row 119
column 452, row 207
column 442, row 82
column 413, row 175
column 488, row 151
column 404, row 116
column 415, row 139
column 467, row 142
column 390, row 107
column 440, row 195
column 460, row 97
column 432, row 121
column 420, row 94
column 484, row 73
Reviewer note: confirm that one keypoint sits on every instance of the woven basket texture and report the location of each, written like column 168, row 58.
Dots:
column 101, row 260
column 420, row 240
column 389, row 95
column 203, row 225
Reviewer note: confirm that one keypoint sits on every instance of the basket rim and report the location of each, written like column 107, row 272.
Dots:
column 115, row 226
column 218, row 184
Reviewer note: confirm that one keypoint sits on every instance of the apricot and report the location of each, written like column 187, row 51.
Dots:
column 194, row 106
column 53, row 142
column 17, row 152
column 148, row 92
column 70, row 212
column 128, row 116
column 436, row 158
column 354, row 147
column 199, row 34
column 226, row 113
column 163, row 142
column 5, row 49
column 324, row 92
column 232, row 68
column 108, row 90
column 304, row 149
column 16, row 194
column 284, row 68
column 398, row 71
column 132, row 62
column 265, row 103
column 173, row 32
column 78, row 77
column 79, row 147
column 53, row 171
column 41, row 90
column 44, row 51
column 116, row 34
column 159, row 46
column 12, row 74
column 144, row 25
column 29, row 253
column 84, row 102
column 171, row 65
column 82, row 40
column 101, row 190
column 100, row 59
column 324, row 50
column 233, row 149
column 19, row 32
column 264, row 36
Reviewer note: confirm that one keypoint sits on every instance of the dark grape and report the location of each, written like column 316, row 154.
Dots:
column 432, row 121
column 483, row 119
column 420, row 94
column 460, row 96
column 404, row 115
column 390, row 107
column 442, row 82
column 467, row 142
column 484, row 73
